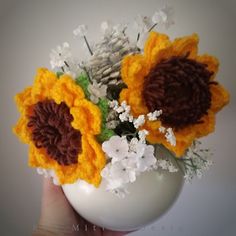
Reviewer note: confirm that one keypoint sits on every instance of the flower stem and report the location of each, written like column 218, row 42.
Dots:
column 89, row 48
column 138, row 37
column 66, row 64
column 152, row 27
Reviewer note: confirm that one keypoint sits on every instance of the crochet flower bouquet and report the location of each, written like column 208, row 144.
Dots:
column 105, row 119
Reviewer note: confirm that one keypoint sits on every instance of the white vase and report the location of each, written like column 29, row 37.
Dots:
column 149, row 197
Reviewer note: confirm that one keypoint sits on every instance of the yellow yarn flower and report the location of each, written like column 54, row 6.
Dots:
column 171, row 76
column 60, row 126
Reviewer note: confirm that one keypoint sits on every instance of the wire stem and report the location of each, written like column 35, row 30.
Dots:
column 89, row 48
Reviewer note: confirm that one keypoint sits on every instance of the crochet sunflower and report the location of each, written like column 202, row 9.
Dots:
column 172, row 77
column 60, row 126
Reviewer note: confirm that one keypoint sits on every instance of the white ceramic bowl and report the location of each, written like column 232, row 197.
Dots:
column 150, row 196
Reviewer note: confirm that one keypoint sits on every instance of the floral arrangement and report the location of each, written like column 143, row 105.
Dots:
column 107, row 117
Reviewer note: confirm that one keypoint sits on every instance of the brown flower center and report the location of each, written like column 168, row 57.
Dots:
column 179, row 87
column 52, row 130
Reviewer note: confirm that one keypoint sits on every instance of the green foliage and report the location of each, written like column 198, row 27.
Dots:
column 105, row 132
column 59, row 74
column 105, row 135
column 83, row 82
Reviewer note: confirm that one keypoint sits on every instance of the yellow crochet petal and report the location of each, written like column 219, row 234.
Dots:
column 124, row 95
column 134, row 69
column 157, row 47
column 133, row 97
column 24, row 101
column 92, row 161
column 66, row 90
column 207, row 126
column 187, row 44
column 44, row 82
column 39, row 158
column 21, row 130
column 184, row 137
column 67, row 174
column 87, row 117
column 211, row 62
column 219, row 97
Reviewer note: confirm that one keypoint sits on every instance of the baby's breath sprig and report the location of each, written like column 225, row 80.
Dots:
column 195, row 161
column 81, row 31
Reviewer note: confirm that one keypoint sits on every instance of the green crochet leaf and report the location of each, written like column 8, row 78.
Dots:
column 104, row 107
column 105, row 132
column 105, row 135
column 59, row 74
column 83, row 82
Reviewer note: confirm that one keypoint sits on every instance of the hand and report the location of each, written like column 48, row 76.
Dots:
column 59, row 218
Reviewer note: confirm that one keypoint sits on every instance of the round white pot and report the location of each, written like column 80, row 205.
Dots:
column 151, row 195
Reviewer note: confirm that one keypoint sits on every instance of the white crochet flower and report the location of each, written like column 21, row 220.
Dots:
column 116, row 148
column 147, row 160
column 80, row 31
column 164, row 17
column 60, row 56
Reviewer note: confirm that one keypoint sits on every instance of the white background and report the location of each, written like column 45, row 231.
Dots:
column 29, row 29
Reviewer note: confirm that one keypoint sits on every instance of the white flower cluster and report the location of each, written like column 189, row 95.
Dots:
column 124, row 115
column 61, row 58
column 48, row 173
column 144, row 24
column 166, row 165
column 196, row 161
column 127, row 160
column 81, row 31
column 164, row 16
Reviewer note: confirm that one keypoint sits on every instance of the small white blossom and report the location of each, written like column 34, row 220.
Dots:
column 162, row 129
column 136, row 149
column 48, row 173
column 188, row 178
column 164, row 17
column 148, row 159
column 170, row 137
column 196, row 161
column 124, row 116
column 142, row 24
column 132, row 145
column 106, row 27
column 139, row 121
column 152, row 116
column 172, row 168
column 60, row 55
column 118, row 175
column 119, row 109
column 116, row 148
column 131, row 118
column 142, row 135
column 125, row 106
column 125, row 167
column 97, row 91
column 120, row 28
column 164, row 164
column 81, row 31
